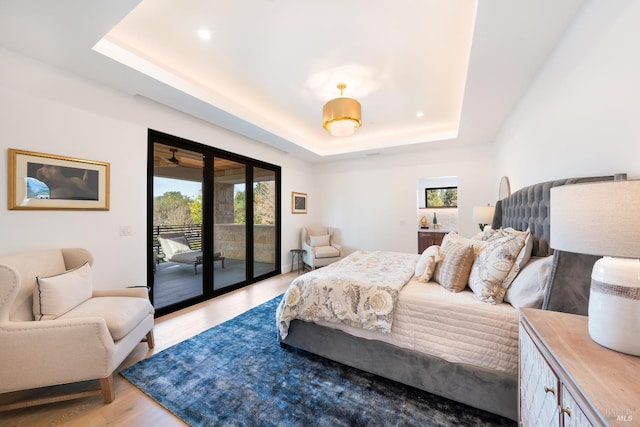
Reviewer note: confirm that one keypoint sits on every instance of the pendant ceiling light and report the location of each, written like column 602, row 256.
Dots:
column 341, row 116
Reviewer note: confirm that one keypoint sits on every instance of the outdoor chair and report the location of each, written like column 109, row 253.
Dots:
column 176, row 249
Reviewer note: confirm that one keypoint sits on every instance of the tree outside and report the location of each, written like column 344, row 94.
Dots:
column 264, row 204
column 442, row 197
column 174, row 208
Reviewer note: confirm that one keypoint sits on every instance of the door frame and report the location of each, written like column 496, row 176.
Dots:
column 208, row 203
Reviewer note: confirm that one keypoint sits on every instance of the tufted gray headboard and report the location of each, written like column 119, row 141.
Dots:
column 570, row 280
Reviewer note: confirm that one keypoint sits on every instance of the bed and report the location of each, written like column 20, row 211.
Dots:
column 447, row 343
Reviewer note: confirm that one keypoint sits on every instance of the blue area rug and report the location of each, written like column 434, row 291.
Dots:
column 236, row 374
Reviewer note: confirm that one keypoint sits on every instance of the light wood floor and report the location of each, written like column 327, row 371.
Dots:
column 132, row 407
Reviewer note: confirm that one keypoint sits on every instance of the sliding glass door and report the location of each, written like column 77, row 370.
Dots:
column 229, row 221
column 214, row 221
column 265, row 219
column 177, row 222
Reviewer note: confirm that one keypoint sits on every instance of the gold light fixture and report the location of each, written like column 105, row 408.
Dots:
column 341, row 116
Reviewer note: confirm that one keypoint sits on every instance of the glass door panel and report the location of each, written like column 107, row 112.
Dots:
column 177, row 225
column 264, row 221
column 229, row 223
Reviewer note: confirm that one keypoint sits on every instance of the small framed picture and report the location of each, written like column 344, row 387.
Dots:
column 299, row 203
column 39, row 181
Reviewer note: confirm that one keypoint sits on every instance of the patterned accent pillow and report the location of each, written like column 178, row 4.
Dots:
column 525, row 253
column 427, row 263
column 495, row 268
column 458, row 254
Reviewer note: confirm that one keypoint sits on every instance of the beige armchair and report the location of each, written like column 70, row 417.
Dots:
column 321, row 246
column 86, row 342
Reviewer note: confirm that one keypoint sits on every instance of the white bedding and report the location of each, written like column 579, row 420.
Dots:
column 456, row 327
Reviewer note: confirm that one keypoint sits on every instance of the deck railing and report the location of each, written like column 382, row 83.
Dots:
column 230, row 240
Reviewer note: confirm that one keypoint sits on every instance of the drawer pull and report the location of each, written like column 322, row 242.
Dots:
column 549, row 390
column 565, row 411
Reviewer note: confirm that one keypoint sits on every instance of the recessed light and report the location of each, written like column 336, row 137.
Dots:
column 204, row 34
column 419, row 114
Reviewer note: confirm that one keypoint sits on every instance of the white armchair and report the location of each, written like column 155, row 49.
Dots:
column 85, row 342
column 321, row 246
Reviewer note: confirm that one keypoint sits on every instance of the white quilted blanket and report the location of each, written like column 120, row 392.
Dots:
column 361, row 290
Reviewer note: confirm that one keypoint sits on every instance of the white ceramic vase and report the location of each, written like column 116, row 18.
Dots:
column 614, row 304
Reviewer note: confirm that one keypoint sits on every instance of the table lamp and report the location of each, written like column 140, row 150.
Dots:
column 483, row 215
column 603, row 218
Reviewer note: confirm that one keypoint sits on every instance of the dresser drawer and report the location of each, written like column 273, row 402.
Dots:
column 539, row 386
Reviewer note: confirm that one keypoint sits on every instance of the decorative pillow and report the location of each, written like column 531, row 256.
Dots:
column 527, row 289
column 495, row 268
column 176, row 245
column 427, row 263
column 453, row 237
column 452, row 272
column 56, row 295
column 319, row 240
column 525, row 254
column 422, row 262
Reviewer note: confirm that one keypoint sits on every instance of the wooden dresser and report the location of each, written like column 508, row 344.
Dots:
column 429, row 238
column 567, row 379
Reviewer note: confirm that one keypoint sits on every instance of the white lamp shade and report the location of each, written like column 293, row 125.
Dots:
column 483, row 214
column 601, row 218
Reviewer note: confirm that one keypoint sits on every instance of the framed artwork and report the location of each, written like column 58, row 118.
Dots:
column 299, row 203
column 39, row 181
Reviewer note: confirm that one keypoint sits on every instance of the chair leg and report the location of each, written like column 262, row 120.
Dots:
column 150, row 340
column 108, row 392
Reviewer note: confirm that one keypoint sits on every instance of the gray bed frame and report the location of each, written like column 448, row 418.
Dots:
column 492, row 391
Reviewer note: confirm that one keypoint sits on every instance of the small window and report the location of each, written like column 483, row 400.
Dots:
column 441, row 197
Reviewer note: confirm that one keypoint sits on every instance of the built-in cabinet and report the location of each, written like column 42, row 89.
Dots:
column 429, row 238
column 566, row 379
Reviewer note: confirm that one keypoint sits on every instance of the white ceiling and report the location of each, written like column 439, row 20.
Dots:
column 270, row 65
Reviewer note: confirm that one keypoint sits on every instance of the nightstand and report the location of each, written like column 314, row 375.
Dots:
column 567, row 379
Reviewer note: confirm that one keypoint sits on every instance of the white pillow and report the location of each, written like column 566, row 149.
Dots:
column 55, row 295
column 319, row 240
column 427, row 263
column 527, row 289
column 422, row 262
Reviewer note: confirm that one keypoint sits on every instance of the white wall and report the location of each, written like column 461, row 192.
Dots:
column 580, row 117
column 373, row 201
column 47, row 110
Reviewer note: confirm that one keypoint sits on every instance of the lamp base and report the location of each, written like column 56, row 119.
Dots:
column 614, row 304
